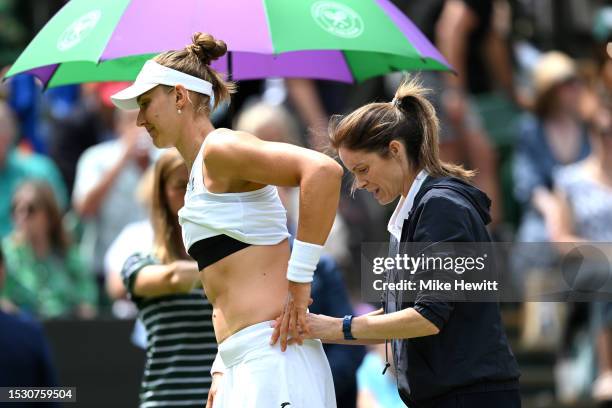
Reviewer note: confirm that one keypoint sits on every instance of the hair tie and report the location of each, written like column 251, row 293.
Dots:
column 397, row 102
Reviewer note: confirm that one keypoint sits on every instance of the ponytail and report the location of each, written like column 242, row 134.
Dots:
column 409, row 118
column 410, row 99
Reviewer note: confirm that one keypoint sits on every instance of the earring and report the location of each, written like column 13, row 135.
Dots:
column 179, row 111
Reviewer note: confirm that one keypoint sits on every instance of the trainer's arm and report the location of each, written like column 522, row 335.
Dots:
column 354, row 342
column 358, row 342
column 404, row 324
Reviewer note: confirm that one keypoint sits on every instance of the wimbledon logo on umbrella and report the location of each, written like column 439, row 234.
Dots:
column 337, row 19
column 78, row 30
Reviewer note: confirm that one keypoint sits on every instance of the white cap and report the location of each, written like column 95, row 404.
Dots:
column 153, row 74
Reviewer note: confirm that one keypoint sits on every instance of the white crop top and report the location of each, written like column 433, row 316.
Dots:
column 252, row 218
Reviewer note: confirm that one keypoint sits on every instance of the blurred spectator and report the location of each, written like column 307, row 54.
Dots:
column 600, row 78
column 15, row 167
column 46, row 275
column 24, row 98
column 377, row 390
column 77, row 120
column 564, row 25
column 25, row 358
column 554, row 136
column 165, row 285
column 275, row 124
column 224, row 114
column 136, row 237
column 13, row 33
column 584, row 191
column 462, row 29
column 477, row 101
column 106, row 179
column 306, row 98
column 268, row 122
column 584, row 213
column 470, row 34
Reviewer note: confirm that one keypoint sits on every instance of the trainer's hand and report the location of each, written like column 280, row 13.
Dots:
column 293, row 315
column 321, row 327
column 324, row 327
column 214, row 388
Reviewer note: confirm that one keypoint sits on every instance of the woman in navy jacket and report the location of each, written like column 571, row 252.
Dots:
column 446, row 353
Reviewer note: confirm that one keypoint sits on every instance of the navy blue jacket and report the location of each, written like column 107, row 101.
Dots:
column 25, row 359
column 471, row 351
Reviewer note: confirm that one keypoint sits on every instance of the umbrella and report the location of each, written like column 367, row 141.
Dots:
column 342, row 40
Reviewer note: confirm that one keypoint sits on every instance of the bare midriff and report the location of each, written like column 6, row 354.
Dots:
column 247, row 287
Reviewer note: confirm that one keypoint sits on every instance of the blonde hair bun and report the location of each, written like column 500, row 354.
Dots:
column 206, row 47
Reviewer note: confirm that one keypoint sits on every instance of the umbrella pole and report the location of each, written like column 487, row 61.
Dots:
column 229, row 66
column 230, row 70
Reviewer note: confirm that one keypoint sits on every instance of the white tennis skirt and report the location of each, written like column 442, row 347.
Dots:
column 259, row 375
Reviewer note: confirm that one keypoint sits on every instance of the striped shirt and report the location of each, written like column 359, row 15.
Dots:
column 181, row 343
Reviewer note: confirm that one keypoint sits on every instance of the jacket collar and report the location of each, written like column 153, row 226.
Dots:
column 396, row 222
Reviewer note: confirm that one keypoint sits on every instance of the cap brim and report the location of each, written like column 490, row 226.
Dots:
column 126, row 99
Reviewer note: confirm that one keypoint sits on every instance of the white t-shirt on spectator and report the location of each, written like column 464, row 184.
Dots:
column 134, row 237
column 119, row 207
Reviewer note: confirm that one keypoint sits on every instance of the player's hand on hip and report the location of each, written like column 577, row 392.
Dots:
column 292, row 321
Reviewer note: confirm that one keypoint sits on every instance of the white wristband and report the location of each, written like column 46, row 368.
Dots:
column 217, row 365
column 303, row 261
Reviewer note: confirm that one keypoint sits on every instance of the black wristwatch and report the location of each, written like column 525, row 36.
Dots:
column 346, row 327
